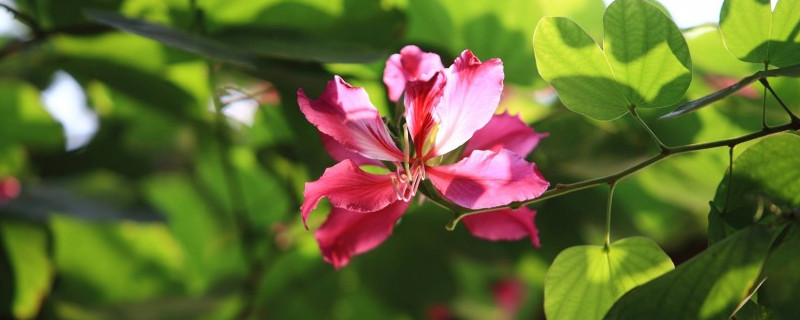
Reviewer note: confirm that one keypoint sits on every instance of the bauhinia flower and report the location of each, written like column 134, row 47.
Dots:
column 447, row 111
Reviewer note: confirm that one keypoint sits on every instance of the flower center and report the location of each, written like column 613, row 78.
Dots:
column 408, row 175
column 406, row 181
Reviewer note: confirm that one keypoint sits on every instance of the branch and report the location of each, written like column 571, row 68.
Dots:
column 791, row 71
column 562, row 189
column 774, row 94
column 24, row 19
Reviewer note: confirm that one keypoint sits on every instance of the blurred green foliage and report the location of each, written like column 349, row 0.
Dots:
column 175, row 209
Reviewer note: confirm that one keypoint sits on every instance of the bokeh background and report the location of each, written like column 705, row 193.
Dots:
column 161, row 178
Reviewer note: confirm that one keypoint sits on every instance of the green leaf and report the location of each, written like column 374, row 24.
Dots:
column 709, row 55
column 101, row 263
column 647, row 53
column 784, row 38
column 573, row 63
column 709, row 286
column 583, row 282
column 27, row 247
column 175, row 38
column 780, row 291
column 200, row 225
column 488, row 30
column 290, row 45
column 745, row 27
column 754, row 33
column 718, row 229
column 244, row 46
column 764, row 173
column 646, row 61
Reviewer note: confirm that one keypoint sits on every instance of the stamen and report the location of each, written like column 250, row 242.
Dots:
column 407, row 178
column 406, row 147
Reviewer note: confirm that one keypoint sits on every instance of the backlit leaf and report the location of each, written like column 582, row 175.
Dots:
column 583, row 282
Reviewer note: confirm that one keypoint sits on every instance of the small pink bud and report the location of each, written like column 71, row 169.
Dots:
column 438, row 311
column 9, row 189
column 509, row 295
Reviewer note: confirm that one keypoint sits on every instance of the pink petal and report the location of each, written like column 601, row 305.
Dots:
column 347, row 233
column 504, row 224
column 339, row 153
column 420, row 100
column 488, row 179
column 345, row 113
column 409, row 65
column 347, row 186
column 470, row 98
column 505, row 131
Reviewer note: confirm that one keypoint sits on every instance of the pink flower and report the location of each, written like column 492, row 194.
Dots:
column 444, row 109
column 509, row 295
column 9, row 189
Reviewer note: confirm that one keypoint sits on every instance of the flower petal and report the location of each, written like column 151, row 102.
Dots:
column 488, row 179
column 409, row 65
column 421, row 97
column 470, row 98
column 345, row 113
column 505, row 131
column 339, row 153
column 347, row 186
column 347, row 233
column 504, row 224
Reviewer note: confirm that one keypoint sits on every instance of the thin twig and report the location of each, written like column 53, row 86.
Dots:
column 611, row 186
column 730, row 180
column 562, row 189
column 24, row 19
column 764, row 100
column 644, row 125
column 774, row 94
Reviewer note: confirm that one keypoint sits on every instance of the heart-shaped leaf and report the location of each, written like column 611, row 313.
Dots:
column 755, row 33
column 645, row 63
column 765, row 173
column 584, row 281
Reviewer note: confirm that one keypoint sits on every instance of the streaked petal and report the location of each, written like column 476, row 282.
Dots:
column 420, row 99
column 347, row 233
column 409, row 65
column 347, row 186
column 339, row 153
column 488, row 179
column 505, row 131
column 470, row 98
column 504, row 224
column 345, row 113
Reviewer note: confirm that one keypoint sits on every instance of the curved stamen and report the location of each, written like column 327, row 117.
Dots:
column 407, row 177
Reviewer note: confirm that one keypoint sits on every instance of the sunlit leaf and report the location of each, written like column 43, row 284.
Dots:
column 765, row 173
column 27, row 249
column 583, row 282
column 573, row 63
column 201, row 226
column 710, row 55
column 647, row 53
column 101, row 262
column 755, row 33
column 709, row 286
column 644, row 63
